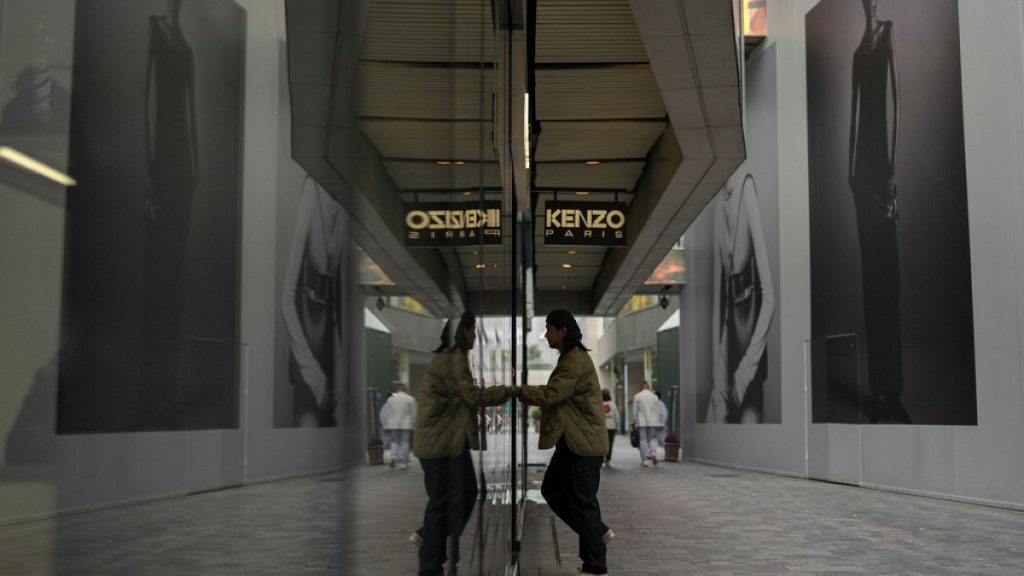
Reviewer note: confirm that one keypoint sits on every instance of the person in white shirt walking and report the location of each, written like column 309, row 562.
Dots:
column 401, row 416
column 647, row 419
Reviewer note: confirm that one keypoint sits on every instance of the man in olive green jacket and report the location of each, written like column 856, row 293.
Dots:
column 447, row 428
column 447, row 422
column 573, row 422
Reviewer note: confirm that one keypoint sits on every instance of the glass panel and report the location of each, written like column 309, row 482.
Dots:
column 755, row 17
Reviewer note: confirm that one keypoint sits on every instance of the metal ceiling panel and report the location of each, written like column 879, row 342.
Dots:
column 704, row 154
column 315, row 16
column 560, row 284
column 467, row 251
column 427, row 175
column 670, row 62
column 393, row 90
column 430, row 140
column 716, row 60
column 606, row 93
column 712, row 18
column 311, row 104
column 596, row 140
column 429, row 31
column 723, row 106
column 621, row 175
column 558, row 255
column 587, row 31
column 311, row 58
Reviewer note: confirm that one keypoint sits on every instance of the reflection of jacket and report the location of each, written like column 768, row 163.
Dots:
column 572, row 406
column 449, row 402
column 401, row 411
column 645, row 409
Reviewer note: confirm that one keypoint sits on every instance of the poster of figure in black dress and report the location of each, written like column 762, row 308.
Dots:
column 892, row 320
column 151, row 261
column 311, row 385
column 744, row 384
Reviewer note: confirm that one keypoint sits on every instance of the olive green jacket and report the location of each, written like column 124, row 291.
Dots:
column 447, row 420
column 572, row 406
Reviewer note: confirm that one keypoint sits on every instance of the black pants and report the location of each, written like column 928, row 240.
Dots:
column 570, row 489
column 611, row 443
column 451, row 492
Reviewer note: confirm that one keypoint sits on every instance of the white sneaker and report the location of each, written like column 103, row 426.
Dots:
column 645, row 463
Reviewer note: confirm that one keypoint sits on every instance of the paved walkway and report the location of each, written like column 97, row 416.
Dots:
column 677, row 519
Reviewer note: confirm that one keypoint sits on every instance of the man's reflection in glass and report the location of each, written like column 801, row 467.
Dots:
column 446, row 430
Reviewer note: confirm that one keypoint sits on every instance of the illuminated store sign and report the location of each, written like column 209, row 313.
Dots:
column 585, row 223
column 452, row 223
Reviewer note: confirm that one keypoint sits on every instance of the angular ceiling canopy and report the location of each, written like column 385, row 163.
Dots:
column 397, row 101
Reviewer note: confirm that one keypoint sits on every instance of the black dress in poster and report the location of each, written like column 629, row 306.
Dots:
column 892, row 320
column 151, row 256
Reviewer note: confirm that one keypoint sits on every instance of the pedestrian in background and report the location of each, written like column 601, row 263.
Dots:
column 401, row 415
column 648, row 420
column 611, row 422
column 385, row 428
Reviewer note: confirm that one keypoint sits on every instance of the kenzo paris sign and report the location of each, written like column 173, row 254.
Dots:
column 585, row 223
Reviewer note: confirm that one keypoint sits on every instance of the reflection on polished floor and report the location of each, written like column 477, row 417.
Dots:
column 676, row 518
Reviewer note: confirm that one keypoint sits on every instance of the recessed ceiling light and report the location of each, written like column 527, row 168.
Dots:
column 459, row 162
column 481, row 266
column 567, row 266
column 475, row 252
column 583, row 193
column 571, row 252
column 467, row 193
column 592, row 162
column 443, row 163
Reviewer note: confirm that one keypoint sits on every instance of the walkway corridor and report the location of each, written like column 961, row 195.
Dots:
column 676, row 519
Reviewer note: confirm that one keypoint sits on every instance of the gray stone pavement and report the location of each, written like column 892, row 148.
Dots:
column 676, row 518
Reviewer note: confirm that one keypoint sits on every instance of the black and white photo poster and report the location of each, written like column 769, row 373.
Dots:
column 891, row 314
column 744, row 383
column 311, row 360
column 150, row 309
